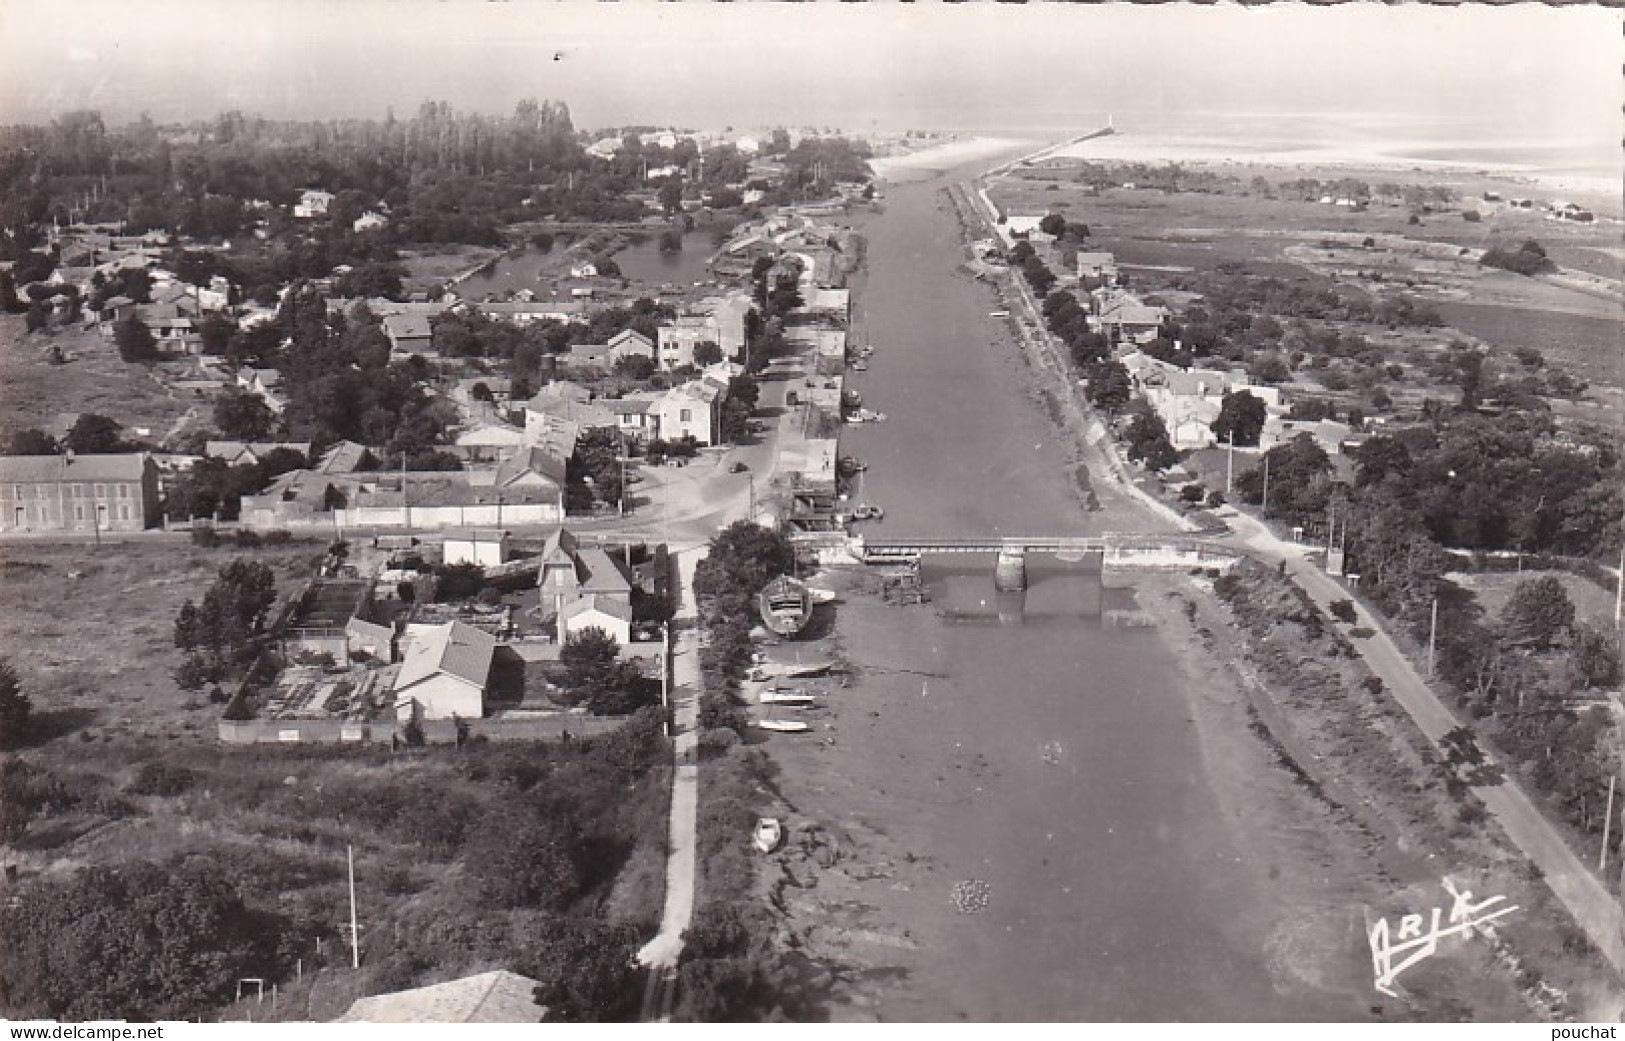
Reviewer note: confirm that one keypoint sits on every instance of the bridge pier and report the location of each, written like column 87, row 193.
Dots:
column 1010, row 570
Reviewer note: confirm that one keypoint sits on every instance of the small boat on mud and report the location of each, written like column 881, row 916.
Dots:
column 785, row 605
column 777, row 695
column 821, row 596
column 767, row 834
column 784, row 726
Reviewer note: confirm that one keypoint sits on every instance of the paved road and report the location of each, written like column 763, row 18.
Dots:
column 693, row 501
column 662, row 951
column 1587, row 898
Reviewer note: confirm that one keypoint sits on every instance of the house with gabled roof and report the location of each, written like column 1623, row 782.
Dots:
column 490, row 442
column 693, row 409
column 533, row 467
column 489, row 997
column 444, row 672
column 630, row 343
column 409, row 334
column 236, row 452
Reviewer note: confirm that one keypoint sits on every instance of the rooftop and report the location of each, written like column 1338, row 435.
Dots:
column 490, row 997
column 40, row 468
column 454, row 649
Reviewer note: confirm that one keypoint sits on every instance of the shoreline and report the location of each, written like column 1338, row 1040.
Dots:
column 1602, row 192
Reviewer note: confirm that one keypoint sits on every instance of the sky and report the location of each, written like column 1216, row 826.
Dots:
column 1508, row 73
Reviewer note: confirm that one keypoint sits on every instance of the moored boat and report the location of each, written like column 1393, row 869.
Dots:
column 785, row 605
column 767, row 834
column 784, row 726
column 777, row 695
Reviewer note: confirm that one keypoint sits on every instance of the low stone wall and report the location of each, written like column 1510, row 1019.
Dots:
column 435, row 731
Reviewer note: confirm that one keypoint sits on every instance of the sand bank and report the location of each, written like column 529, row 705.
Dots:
column 928, row 161
column 1378, row 158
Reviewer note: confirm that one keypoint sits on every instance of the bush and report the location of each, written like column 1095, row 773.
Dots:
column 1192, row 493
column 161, row 779
column 1343, row 611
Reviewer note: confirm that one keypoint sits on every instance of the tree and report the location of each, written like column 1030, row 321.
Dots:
column 1538, row 613
column 1241, row 417
column 590, row 659
column 16, row 709
column 735, row 421
column 707, row 353
column 1148, row 442
column 216, row 333
column 139, row 941
column 242, row 415
column 458, row 581
column 9, row 303
column 670, row 195
column 1053, row 224
column 1269, row 367
column 39, row 316
column 32, row 441
column 1110, row 386
column 520, row 856
column 744, row 556
column 233, row 612
column 671, row 241
column 135, row 341
column 586, row 969
column 92, row 434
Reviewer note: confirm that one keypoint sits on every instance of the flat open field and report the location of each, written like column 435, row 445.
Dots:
column 90, row 631
column 432, row 266
column 33, row 391
column 1592, row 604
column 1589, row 346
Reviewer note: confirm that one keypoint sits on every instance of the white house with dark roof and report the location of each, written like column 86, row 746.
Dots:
column 482, row 547
column 591, row 611
column 693, row 409
column 313, row 202
column 444, row 672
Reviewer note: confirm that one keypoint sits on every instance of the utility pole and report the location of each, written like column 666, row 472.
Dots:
column 1607, row 826
column 1433, row 631
column 1230, row 464
column 355, row 931
column 1266, row 502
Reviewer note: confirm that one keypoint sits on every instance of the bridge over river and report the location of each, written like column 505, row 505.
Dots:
column 1010, row 551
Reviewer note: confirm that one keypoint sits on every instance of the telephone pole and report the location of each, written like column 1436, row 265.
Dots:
column 1433, row 631
column 355, row 930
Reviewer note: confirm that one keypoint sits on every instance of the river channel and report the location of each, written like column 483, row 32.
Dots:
column 1050, row 758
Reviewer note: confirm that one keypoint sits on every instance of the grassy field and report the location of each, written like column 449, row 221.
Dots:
column 1592, row 603
column 33, row 391
column 427, row 267
column 1589, row 346
column 90, row 631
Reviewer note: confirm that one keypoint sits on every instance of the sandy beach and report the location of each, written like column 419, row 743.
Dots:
column 1372, row 159
column 927, row 162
